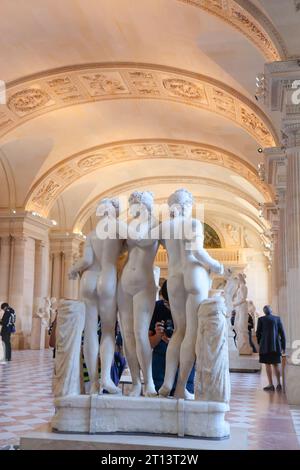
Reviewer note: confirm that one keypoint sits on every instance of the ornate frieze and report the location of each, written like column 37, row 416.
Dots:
column 46, row 191
column 250, row 21
column 124, row 81
column 48, row 188
column 185, row 89
column 28, row 100
column 106, row 83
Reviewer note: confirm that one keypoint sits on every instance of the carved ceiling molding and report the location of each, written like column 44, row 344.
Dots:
column 89, row 209
column 250, row 21
column 35, row 95
column 58, row 178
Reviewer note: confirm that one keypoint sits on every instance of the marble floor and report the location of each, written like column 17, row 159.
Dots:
column 26, row 403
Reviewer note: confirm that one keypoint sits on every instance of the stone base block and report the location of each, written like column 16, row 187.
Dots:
column 110, row 414
column 292, row 383
column 44, row 439
column 243, row 363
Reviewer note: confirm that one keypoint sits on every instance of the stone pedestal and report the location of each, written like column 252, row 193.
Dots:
column 108, row 414
column 243, row 363
column 292, row 383
column 2, row 352
column 44, row 439
column 38, row 334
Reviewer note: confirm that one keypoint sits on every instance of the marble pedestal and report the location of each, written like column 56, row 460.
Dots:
column 2, row 352
column 38, row 334
column 243, row 363
column 44, row 439
column 292, row 383
column 110, row 414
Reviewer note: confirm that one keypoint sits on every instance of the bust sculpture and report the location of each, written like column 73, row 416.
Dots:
column 98, row 288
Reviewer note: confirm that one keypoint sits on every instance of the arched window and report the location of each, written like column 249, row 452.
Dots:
column 211, row 238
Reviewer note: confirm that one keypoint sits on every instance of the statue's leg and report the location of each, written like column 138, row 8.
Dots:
column 125, row 306
column 143, row 307
column 88, row 287
column 177, row 298
column 108, row 318
column 187, row 350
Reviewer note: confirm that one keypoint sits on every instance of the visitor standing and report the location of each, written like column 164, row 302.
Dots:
column 8, row 327
column 160, row 332
column 271, row 339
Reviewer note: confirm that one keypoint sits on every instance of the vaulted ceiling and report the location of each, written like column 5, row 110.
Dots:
column 106, row 96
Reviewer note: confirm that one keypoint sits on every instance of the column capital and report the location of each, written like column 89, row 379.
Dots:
column 5, row 240
column 291, row 134
column 275, row 166
column 40, row 244
column 20, row 239
column 280, row 86
column 271, row 213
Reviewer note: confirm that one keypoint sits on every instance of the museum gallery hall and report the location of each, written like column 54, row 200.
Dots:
column 149, row 224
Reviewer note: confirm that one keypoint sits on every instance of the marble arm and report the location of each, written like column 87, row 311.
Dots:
column 206, row 260
column 83, row 263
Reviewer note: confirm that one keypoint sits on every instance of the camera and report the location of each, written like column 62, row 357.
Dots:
column 169, row 328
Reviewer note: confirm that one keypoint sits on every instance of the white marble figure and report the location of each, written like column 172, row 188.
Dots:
column 44, row 315
column 188, row 285
column 98, row 288
column 230, row 290
column 50, row 307
column 240, row 305
column 137, row 292
column 69, row 328
column 212, row 381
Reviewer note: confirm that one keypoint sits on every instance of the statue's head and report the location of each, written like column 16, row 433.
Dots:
column 139, row 202
column 242, row 278
column 181, row 203
column 108, row 207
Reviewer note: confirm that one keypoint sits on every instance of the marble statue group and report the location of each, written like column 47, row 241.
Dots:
column 200, row 324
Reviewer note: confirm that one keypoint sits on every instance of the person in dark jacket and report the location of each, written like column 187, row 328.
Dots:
column 250, row 328
column 160, row 331
column 8, row 327
column 271, row 339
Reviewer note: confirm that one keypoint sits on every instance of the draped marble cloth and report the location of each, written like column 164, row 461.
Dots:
column 212, row 382
column 69, row 328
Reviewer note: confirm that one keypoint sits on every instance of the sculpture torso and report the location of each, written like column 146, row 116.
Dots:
column 138, row 274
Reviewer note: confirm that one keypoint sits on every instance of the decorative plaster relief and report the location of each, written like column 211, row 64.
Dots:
column 28, row 100
column 58, row 90
column 250, row 21
column 91, row 160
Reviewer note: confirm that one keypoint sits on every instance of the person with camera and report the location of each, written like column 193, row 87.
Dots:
column 160, row 331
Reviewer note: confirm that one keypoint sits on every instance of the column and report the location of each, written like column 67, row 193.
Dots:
column 22, row 285
column 56, row 281
column 282, row 265
column 293, row 229
column 65, row 250
column 41, row 273
column 4, row 267
column 71, row 250
column 275, row 268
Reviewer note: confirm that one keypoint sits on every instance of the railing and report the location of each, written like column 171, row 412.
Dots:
column 226, row 256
